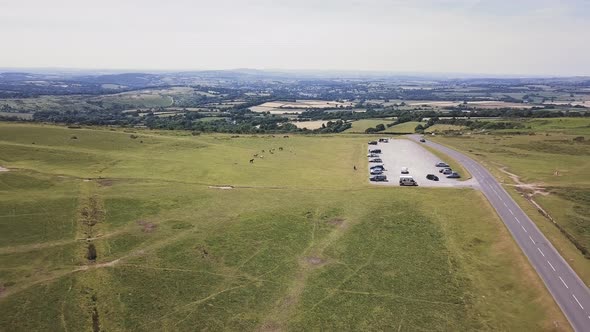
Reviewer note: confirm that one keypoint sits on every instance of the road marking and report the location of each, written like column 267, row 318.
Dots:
column 531, row 239
column 505, row 204
column 524, row 229
column 551, row 266
column 541, row 252
column 580, row 304
column 501, row 200
column 517, row 220
column 512, row 213
column 564, row 283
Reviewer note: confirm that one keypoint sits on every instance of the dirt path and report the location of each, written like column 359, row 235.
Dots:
column 3, row 169
column 530, row 188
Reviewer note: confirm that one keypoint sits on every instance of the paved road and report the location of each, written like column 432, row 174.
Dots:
column 568, row 290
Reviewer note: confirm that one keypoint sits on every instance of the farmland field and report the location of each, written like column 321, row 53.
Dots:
column 443, row 127
column 282, row 107
column 309, row 124
column 113, row 230
column 403, row 128
column 360, row 126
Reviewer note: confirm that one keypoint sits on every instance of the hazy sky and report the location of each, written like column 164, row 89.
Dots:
column 545, row 37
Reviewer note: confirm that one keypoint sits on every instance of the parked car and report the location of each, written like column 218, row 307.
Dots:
column 454, row 175
column 376, row 160
column 405, row 170
column 372, row 155
column 375, row 151
column 407, row 180
column 373, row 143
column 422, row 140
column 447, row 171
column 378, row 166
column 441, row 164
column 384, row 140
column 378, row 178
column 432, row 177
column 443, row 169
column 376, row 171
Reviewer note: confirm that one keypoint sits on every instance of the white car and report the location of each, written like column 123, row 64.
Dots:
column 405, row 170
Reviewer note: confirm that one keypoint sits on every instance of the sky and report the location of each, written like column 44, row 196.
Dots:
column 516, row 37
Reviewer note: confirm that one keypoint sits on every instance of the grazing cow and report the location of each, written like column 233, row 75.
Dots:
column 280, row 148
column 251, row 161
column 354, row 167
column 261, row 157
column 271, row 152
column 286, row 136
column 256, row 155
column 262, row 151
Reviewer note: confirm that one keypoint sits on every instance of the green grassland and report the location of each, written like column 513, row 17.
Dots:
column 360, row 126
column 301, row 242
column 442, row 128
column 552, row 162
column 403, row 128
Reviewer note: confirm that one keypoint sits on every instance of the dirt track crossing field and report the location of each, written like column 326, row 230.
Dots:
column 400, row 153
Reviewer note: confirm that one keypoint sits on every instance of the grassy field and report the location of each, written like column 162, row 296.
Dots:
column 443, row 127
column 553, row 166
column 169, row 231
column 403, row 128
column 360, row 126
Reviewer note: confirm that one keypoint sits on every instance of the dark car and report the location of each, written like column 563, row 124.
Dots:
column 454, row 175
column 384, row 140
column 375, row 151
column 378, row 178
column 376, row 160
column 422, row 140
column 378, row 166
column 447, row 171
column 441, row 164
column 442, row 170
column 372, row 155
column 373, row 143
column 432, row 177
column 376, row 171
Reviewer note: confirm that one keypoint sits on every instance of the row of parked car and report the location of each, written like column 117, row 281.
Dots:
column 374, row 157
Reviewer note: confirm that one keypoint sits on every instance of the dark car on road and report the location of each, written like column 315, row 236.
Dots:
column 422, row 140
column 432, row 177
column 373, row 143
column 378, row 178
column 376, row 160
column 454, row 175
column 441, row 164
column 375, row 151
column 376, row 171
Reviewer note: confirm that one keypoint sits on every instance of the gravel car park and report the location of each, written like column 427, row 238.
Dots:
column 404, row 153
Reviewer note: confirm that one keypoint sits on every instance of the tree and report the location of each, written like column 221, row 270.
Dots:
column 380, row 127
